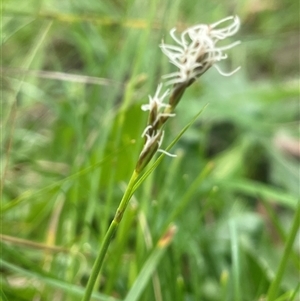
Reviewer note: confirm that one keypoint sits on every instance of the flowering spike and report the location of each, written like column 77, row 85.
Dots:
column 156, row 102
column 197, row 51
column 150, row 148
column 156, row 107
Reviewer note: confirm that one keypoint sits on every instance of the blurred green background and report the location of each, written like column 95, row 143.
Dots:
column 74, row 75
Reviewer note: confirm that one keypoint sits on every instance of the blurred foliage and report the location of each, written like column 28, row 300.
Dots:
column 74, row 75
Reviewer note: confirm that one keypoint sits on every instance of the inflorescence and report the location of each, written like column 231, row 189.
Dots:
column 196, row 51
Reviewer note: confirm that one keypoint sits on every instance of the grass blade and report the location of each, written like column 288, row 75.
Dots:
column 150, row 265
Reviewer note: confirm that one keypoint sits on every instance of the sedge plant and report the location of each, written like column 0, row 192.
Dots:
column 194, row 52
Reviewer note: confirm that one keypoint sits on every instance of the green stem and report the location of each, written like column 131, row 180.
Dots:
column 273, row 289
column 108, row 237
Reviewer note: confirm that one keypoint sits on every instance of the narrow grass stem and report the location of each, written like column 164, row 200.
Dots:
column 108, row 237
column 274, row 287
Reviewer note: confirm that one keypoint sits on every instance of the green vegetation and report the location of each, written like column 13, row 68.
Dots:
column 217, row 223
